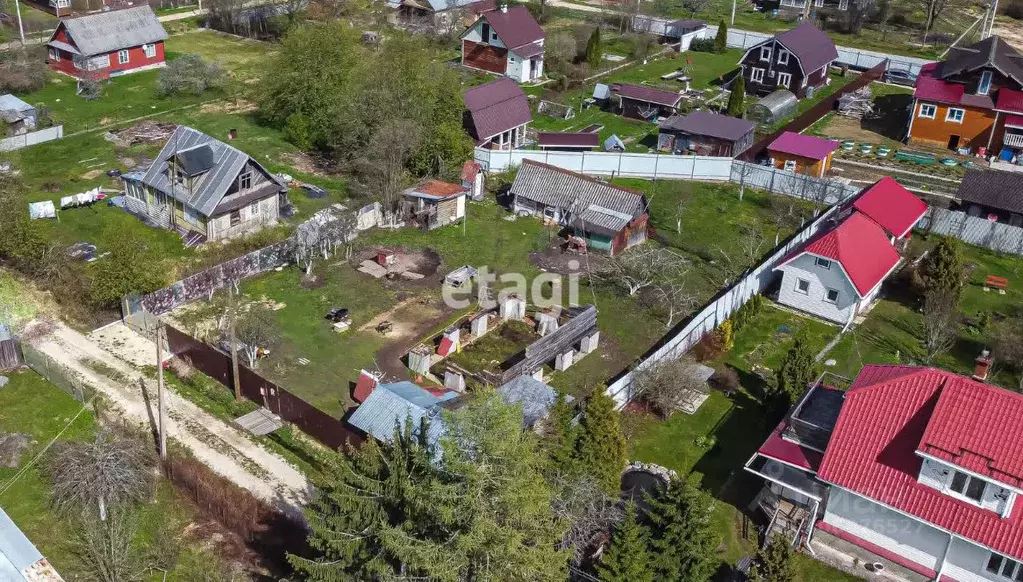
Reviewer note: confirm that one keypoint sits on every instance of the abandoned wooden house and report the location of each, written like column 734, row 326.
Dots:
column 639, row 102
column 204, row 189
column 607, row 217
column 432, row 203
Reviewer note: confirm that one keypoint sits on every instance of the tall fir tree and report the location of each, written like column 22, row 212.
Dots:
column 594, row 48
column 797, row 370
column 943, row 270
column 601, row 448
column 560, row 438
column 721, row 40
column 774, row 562
column 626, row 560
column 737, row 98
column 682, row 537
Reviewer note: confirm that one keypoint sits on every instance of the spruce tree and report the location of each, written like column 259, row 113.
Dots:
column 601, row 448
column 943, row 270
column 721, row 40
column 798, row 369
column 560, row 438
column 682, row 537
column 594, row 48
column 774, row 562
column 737, row 98
column 626, row 559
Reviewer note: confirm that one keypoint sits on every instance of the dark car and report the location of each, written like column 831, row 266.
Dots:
column 899, row 77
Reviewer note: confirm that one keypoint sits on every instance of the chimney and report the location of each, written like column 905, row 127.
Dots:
column 982, row 366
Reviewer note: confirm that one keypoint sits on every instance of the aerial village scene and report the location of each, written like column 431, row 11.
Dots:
column 511, row 290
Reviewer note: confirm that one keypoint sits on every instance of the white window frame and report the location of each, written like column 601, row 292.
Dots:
column 787, row 79
column 54, row 55
column 828, row 291
column 1003, row 561
column 150, row 50
column 769, row 51
column 799, row 284
column 789, row 165
column 754, row 77
column 966, row 485
column 925, row 107
column 984, row 87
column 822, row 263
column 123, row 57
column 961, row 115
column 783, row 53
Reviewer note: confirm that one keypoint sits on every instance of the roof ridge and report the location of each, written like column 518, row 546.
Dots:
column 582, row 176
column 916, row 370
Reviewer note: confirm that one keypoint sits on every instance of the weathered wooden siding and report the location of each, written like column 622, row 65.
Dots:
column 485, row 57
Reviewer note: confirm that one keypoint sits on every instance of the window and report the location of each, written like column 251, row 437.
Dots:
column 236, row 217
column 831, row 296
column 969, row 487
column 245, row 181
column 783, row 57
column 1004, row 567
column 485, row 32
column 54, row 55
column 803, row 286
column 254, row 210
column 757, row 76
column 122, row 56
column 985, row 83
column 822, row 263
column 790, row 165
column 765, row 53
column 150, row 50
column 784, row 79
column 927, row 110
column 955, row 115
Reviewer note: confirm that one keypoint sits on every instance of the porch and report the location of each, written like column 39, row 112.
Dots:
column 511, row 139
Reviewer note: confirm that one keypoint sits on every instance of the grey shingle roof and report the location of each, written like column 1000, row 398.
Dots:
column 209, row 189
column 990, row 52
column 393, row 404
column 993, row 188
column 535, row 397
column 102, row 32
column 597, row 204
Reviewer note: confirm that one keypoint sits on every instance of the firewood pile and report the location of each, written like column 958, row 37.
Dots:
column 140, row 133
column 857, row 104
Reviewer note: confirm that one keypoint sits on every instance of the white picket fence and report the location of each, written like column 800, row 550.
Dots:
column 24, row 140
column 711, row 316
column 975, row 230
column 743, row 39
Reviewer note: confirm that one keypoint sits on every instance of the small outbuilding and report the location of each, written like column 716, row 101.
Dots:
column 706, row 134
column 684, row 31
column 647, row 103
column 568, row 141
column 498, row 114
column 992, row 194
column 19, row 116
column 804, row 154
column 432, row 203
column 773, row 108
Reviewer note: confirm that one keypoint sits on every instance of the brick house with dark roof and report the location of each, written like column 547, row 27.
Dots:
column 796, row 60
column 973, row 99
column 497, row 114
column 919, row 467
column 506, row 41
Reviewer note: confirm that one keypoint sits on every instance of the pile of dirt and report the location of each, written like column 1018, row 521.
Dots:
column 12, row 446
column 142, row 132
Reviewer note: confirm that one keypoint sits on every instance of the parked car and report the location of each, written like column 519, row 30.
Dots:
column 898, row 77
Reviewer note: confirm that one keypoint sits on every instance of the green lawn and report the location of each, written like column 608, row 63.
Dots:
column 31, row 405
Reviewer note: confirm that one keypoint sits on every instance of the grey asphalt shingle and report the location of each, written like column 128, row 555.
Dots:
column 993, row 188
column 103, row 32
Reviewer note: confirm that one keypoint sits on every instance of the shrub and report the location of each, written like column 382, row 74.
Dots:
column 189, row 75
column 708, row 348
column 89, row 89
column 1014, row 10
column 726, row 379
column 22, row 71
column 703, row 45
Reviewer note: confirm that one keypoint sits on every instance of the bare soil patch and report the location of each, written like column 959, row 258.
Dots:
column 410, row 320
column 303, row 163
column 556, row 259
column 234, row 106
column 12, row 446
column 92, row 174
column 425, row 262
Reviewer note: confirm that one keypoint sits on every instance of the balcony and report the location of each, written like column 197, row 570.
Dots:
column 1013, row 140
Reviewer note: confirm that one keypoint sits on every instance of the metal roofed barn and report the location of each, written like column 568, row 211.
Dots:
column 773, row 108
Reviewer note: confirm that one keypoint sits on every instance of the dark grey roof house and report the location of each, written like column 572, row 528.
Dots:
column 205, row 188
column 992, row 193
column 796, row 60
column 706, row 134
column 498, row 113
column 609, row 217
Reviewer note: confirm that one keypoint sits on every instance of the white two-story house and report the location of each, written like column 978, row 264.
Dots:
column 920, row 467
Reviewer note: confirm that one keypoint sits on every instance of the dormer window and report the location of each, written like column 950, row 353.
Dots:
column 985, row 83
column 822, row 263
column 969, row 487
column 245, row 181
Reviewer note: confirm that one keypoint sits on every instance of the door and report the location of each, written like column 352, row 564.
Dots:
column 953, row 142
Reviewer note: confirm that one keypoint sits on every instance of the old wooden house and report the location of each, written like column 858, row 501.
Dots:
column 432, row 203
column 647, row 103
column 796, row 60
column 204, row 189
column 107, row 44
column 705, row 134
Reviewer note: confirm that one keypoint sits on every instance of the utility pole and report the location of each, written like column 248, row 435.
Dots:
column 160, row 335
column 732, row 24
column 21, row 29
column 994, row 14
column 234, row 349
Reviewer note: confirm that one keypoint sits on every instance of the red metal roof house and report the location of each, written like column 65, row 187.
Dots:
column 804, row 154
column 918, row 466
column 838, row 272
column 107, row 44
column 498, row 114
column 506, row 41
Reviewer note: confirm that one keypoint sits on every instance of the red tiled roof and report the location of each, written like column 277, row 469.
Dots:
column 890, row 411
column 515, row 26
column 860, row 246
column 807, row 146
column 497, row 107
column 891, row 206
column 1009, row 100
column 439, row 189
column 789, row 452
column 647, row 94
column 567, row 139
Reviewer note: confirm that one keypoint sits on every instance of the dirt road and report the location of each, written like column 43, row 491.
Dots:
column 223, row 448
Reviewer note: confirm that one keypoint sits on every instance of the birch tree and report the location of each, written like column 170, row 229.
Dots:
column 639, row 268
column 257, row 329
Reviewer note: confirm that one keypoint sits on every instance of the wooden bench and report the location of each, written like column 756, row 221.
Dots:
column 993, row 282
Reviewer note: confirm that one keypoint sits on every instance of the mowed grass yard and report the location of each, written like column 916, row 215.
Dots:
column 30, row 405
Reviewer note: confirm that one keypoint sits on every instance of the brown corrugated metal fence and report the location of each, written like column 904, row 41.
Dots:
column 330, row 431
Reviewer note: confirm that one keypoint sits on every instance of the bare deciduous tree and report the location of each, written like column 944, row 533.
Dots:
column 589, row 509
column 639, row 268
column 106, row 547
column 694, row 6
column 673, row 297
column 1007, row 346
column 340, row 230
column 941, row 322
column 257, row 329
column 382, row 168
column 307, row 245
column 745, row 170
column 107, row 471
column 748, row 249
column 669, row 385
